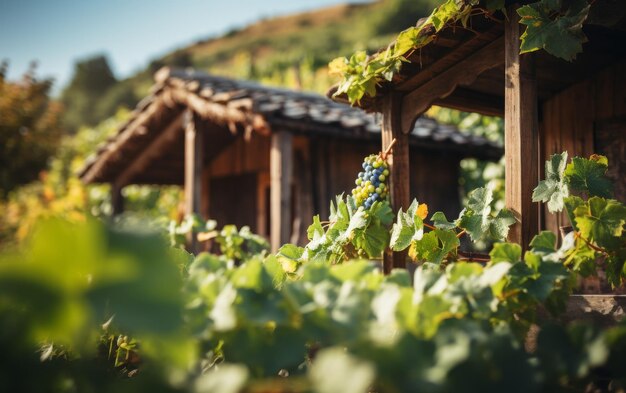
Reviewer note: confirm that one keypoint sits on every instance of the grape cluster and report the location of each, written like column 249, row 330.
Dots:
column 370, row 184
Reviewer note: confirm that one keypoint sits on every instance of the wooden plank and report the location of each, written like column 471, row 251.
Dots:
column 398, row 161
column 262, row 213
column 281, row 165
column 194, row 144
column 452, row 57
column 155, row 150
column 520, row 135
column 467, row 100
column 303, row 188
column 442, row 85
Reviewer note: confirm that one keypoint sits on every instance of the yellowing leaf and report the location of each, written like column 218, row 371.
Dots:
column 422, row 211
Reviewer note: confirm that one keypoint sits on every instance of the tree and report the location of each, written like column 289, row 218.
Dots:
column 30, row 129
column 92, row 79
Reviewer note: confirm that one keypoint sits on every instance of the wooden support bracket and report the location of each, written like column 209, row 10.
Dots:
column 465, row 72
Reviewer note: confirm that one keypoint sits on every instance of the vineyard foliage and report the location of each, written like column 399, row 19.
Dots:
column 552, row 25
column 582, row 189
column 113, row 310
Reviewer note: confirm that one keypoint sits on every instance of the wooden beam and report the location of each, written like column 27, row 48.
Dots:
column 442, row 85
column 398, row 167
column 520, row 134
column 281, row 164
column 154, row 150
column 473, row 101
column 128, row 131
column 456, row 54
column 194, row 149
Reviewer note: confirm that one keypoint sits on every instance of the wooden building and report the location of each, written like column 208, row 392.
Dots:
column 549, row 105
column 266, row 157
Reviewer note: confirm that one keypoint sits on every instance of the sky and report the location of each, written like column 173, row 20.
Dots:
column 56, row 33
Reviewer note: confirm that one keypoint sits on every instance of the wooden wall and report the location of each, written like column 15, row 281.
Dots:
column 238, row 185
column 434, row 175
column 570, row 120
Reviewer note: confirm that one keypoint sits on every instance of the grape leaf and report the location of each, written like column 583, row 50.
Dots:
column 547, row 27
column 358, row 220
column 544, row 243
column 506, row 252
column 382, row 211
column 375, row 240
column 602, row 221
column 589, row 176
column 554, row 188
column 441, row 222
column 571, row 203
column 499, row 226
column 407, row 228
column 478, row 221
column 435, row 246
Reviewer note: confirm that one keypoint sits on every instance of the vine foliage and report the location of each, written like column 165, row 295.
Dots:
column 552, row 25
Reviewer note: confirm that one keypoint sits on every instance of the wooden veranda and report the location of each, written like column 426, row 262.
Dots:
column 549, row 105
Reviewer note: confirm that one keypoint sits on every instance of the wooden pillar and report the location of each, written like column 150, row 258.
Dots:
column 117, row 200
column 398, row 167
column 520, row 134
column 281, row 156
column 194, row 159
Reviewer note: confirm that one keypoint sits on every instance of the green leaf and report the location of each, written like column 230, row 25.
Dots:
column 554, row 188
column 353, row 270
column 382, row 211
column 589, row 176
column 499, row 225
column 375, row 240
column 478, row 221
column 291, row 251
column 571, row 204
column 335, row 371
column 315, row 230
column 441, row 222
column 408, row 227
column 506, row 252
column 544, row 243
column 602, row 221
column 435, row 246
column 547, row 27
column 357, row 221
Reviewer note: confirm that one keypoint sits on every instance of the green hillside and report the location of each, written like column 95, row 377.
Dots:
column 290, row 51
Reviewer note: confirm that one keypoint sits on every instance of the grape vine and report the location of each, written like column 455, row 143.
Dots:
column 322, row 317
column 552, row 25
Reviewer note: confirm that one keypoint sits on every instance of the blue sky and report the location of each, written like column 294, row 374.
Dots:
column 56, row 33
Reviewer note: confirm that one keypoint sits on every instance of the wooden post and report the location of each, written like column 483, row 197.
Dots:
column 281, row 157
column 398, row 167
column 117, row 200
column 521, row 150
column 194, row 159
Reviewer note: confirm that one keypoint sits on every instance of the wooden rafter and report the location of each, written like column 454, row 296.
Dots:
column 113, row 148
column 442, row 85
column 153, row 151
